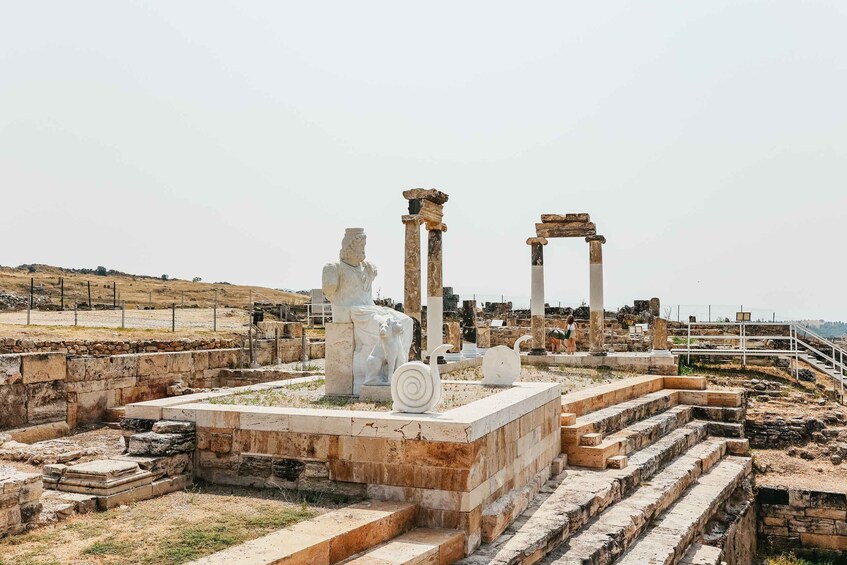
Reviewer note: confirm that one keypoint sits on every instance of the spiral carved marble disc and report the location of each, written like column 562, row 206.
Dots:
column 501, row 366
column 414, row 388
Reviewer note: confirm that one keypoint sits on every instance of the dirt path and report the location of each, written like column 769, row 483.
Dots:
column 170, row 530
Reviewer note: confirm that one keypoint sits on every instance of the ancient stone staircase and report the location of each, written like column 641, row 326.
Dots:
column 368, row 533
column 645, row 476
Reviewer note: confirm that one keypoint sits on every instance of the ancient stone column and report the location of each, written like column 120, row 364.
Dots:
column 412, row 288
column 435, row 288
column 596, row 318
column 660, row 337
column 536, row 306
column 655, row 307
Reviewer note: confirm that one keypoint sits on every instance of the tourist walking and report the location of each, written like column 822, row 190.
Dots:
column 570, row 336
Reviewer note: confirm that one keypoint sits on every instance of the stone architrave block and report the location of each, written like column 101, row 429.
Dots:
column 339, row 359
column 200, row 360
column 43, row 367
column 152, row 365
column 10, row 369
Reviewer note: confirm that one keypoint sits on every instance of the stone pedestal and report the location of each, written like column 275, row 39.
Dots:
column 375, row 393
column 339, row 359
column 536, row 306
column 660, row 337
column 454, row 336
column 597, row 315
column 483, row 337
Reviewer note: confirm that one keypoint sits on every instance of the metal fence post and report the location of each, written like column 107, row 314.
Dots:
column 215, row 313
column 173, row 317
column 76, row 313
column 123, row 315
column 277, row 358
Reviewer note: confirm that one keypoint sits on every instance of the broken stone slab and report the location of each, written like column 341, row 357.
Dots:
column 153, row 444
column 173, row 427
column 99, row 489
column 166, row 466
column 102, row 470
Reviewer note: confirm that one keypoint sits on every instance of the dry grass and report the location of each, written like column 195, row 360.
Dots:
column 311, row 395
column 170, row 530
column 138, row 289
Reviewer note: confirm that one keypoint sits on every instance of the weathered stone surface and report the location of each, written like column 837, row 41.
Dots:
column 13, row 413
column 10, row 369
column 43, row 367
column 173, row 427
column 339, row 359
column 46, row 402
column 151, row 443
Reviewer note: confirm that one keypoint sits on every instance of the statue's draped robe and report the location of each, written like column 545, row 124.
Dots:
column 349, row 290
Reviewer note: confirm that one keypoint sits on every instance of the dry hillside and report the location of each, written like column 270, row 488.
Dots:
column 134, row 289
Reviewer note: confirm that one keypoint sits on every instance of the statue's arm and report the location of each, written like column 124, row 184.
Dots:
column 329, row 281
column 370, row 269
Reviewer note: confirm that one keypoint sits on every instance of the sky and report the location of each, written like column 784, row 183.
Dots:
column 235, row 141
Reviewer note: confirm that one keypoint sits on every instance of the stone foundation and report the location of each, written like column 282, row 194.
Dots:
column 42, row 388
column 807, row 522
column 20, row 494
column 453, row 465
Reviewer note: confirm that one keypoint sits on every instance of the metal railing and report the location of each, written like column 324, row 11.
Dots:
column 800, row 341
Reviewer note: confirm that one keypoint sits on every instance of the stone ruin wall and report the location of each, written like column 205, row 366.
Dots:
column 620, row 340
column 807, row 522
column 43, row 388
column 119, row 347
column 20, row 506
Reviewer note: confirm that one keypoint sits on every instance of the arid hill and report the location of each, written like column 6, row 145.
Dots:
column 132, row 289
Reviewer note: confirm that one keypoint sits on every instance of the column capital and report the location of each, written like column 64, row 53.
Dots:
column 435, row 227
column 536, row 241
column 600, row 238
column 411, row 218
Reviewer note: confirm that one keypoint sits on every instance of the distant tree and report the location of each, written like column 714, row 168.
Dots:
column 196, row 279
column 30, row 268
column 164, row 277
column 101, row 270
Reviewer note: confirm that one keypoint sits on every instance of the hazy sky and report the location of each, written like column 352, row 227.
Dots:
column 236, row 141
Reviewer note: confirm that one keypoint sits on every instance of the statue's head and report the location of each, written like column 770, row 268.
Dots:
column 353, row 246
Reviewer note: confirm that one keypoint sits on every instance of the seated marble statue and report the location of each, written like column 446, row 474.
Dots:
column 348, row 287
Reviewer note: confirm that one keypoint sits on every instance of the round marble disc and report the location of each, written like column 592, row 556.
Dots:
column 500, row 366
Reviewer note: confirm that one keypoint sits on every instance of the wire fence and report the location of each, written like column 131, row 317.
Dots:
column 171, row 319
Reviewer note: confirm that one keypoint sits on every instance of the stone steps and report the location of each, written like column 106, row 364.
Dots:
column 326, row 539
column 617, row 527
column 668, row 539
column 615, row 418
column 632, row 438
column 421, row 546
column 698, row 554
column 566, row 504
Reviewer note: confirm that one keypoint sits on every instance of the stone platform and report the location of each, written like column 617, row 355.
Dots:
column 631, row 362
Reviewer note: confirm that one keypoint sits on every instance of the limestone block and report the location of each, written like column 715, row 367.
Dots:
column 46, row 402
column 91, row 406
column 151, row 443
column 43, row 367
column 200, row 360
column 483, row 337
column 375, row 393
column 75, row 369
column 223, row 359
column 339, row 359
column 13, row 412
column 173, row 427
column 10, row 370
column 152, row 365
column 180, row 363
